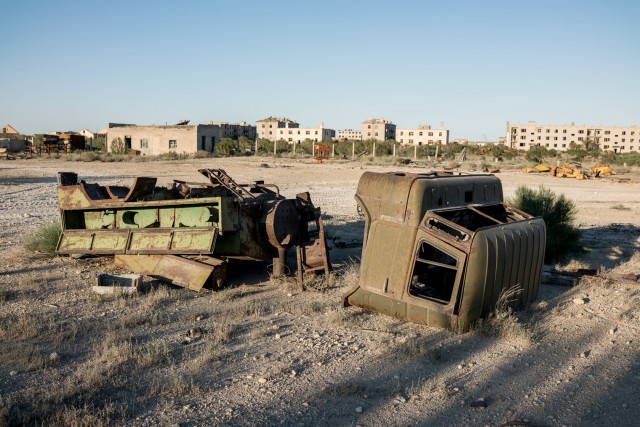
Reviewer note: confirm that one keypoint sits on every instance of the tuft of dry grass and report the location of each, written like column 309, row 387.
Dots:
column 345, row 388
column 347, row 275
column 416, row 346
column 434, row 388
column 620, row 207
column 503, row 323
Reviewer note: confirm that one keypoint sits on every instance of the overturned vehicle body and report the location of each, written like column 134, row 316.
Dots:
column 186, row 232
column 440, row 249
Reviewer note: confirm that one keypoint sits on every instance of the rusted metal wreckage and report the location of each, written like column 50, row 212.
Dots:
column 186, row 233
column 441, row 248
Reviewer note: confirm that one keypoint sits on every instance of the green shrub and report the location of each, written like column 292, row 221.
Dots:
column 226, row 147
column 558, row 213
column 45, row 240
column 201, row 154
column 536, row 154
column 117, row 146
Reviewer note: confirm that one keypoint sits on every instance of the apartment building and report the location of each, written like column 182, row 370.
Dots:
column 378, row 129
column 298, row 134
column 268, row 128
column 619, row 139
column 235, row 130
column 423, row 135
column 154, row 140
column 343, row 134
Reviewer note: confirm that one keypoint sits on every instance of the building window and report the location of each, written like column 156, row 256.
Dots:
column 606, row 146
column 173, row 144
column 555, row 130
column 581, row 131
column 410, row 133
column 539, row 130
column 376, row 133
column 439, row 133
column 430, row 133
column 419, row 133
column 523, row 137
column 564, row 145
column 548, row 130
column 308, row 132
column 564, row 138
column 523, row 130
column 547, row 138
column 555, row 145
column 522, row 144
column 539, row 137
column 624, row 132
column 564, row 131
column 555, row 138
column 607, row 139
column 411, row 141
column 144, row 143
column 606, row 132
column 622, row 139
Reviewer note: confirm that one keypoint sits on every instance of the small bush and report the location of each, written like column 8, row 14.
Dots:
column 226, row 147
column 558, row 213
column 45, row 240
column 201, row 154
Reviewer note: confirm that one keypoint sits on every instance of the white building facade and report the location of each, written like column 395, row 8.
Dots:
column 619, row 139
column 423, row 135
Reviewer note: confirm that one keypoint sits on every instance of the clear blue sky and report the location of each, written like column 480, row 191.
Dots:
column 67, row 65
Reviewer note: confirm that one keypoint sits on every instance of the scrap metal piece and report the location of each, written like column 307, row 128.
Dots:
column 440, row 249
column 189, row 272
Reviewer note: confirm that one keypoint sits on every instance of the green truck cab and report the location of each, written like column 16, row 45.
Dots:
column 441, row 248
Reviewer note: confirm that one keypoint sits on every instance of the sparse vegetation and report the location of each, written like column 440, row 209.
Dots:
column 45, row 240
column 620, row 207
column 558, row 213
column 503, row 322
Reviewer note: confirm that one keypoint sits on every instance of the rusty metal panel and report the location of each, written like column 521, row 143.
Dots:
column 95, row 242
column 172, row 241
column 138, row 241
column 193, row 273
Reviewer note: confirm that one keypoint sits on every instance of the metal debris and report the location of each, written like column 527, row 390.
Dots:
column 186, row 232
column 441, row 248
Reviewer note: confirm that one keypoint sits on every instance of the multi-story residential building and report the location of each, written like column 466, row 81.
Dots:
column 423, row 135
column 154, row 140
column 378, row 129
column 235, row 130
column 268, row 128
column 344, row 134
column 297, row 135
column 618, row 139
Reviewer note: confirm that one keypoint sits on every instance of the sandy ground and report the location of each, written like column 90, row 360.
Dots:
column 273, row 355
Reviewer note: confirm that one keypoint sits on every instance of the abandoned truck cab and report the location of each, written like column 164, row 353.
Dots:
column 440, row 248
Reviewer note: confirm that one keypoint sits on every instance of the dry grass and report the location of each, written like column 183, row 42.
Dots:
column 620, row 207
column 347, row 275
column 434, row 388
column 503, row 322
column 345, row 389
column 418, row 347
